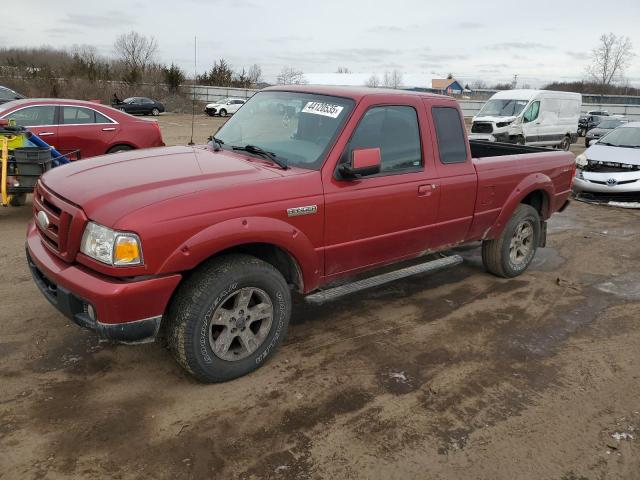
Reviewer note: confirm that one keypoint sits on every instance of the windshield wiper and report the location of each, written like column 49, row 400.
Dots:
column 281, row 162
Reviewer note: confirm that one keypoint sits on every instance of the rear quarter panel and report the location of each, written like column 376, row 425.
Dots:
column 138, row 133
column 503, row 182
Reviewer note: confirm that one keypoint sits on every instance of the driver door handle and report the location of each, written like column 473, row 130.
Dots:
column 109, row 129
column 427, row 190
column 44, row 134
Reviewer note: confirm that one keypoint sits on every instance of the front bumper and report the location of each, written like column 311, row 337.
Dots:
column 625, row 182
column 128, row 311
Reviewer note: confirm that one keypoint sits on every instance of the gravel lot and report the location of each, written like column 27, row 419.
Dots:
column 457, row 375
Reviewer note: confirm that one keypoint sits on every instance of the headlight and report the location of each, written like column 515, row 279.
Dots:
column 110, row 246
column 503, row 124
column 581, row 160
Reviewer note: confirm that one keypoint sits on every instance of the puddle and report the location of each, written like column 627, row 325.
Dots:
column 625, row 286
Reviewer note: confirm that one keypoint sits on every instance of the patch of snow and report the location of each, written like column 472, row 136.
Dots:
column 622, row 436
column 625, row 204
column 400, row 376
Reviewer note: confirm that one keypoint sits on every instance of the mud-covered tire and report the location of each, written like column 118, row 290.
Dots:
column 206, row 293
column 497, row 254
column 119, row 148
column 18, row 200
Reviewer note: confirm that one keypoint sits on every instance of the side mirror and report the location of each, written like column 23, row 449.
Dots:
column 364, row 161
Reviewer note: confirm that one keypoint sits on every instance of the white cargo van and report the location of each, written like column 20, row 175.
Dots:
column 529, row 117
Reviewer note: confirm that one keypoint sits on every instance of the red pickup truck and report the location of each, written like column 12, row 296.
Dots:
column 302, row 187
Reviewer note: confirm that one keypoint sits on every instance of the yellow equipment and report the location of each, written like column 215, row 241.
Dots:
column 4, row 157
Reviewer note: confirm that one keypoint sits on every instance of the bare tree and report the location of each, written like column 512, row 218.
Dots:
column 255, row 74
column 373, row 81
column 136, row 51
column 479, row 84
column 610, row 59
column 392, row 79
column 343, row 70
column 291, row 76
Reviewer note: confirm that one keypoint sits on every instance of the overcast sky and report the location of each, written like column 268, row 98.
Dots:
column 538, row 40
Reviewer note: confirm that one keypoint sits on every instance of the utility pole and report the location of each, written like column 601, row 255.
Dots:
column 515, row 81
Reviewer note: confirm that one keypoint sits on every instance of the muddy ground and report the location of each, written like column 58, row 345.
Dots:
column 456, row 375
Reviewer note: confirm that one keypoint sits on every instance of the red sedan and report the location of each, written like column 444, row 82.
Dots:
column 87, row 128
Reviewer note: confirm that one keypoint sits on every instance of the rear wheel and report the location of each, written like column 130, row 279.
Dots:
column 228, row 317
column 520, row 140
column 155, row 112
column 119, row 148
column 223, row 112
column 510, row 254
column 565, row 144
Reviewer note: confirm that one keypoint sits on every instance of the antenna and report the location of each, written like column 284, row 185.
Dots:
column 193, row 87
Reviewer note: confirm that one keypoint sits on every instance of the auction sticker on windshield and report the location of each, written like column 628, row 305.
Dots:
column 321, row 108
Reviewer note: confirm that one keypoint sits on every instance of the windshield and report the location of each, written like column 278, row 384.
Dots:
column 129, row 100
column 622, row 137
column 222, row 101
column 610, row 124
column 8, row 94
column 503, row 108
column 296, row 127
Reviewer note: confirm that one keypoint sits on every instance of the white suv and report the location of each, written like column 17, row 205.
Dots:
column 224, row 106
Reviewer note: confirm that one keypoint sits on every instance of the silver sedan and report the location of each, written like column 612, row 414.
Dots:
column 612, row 164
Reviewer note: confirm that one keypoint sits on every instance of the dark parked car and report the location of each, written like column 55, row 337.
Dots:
column 140, row 106
column 587, row 122
column 8, row 95
column 604, row 127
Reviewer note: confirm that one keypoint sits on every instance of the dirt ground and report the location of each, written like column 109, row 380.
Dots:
column 176, row 127
column 455, row 375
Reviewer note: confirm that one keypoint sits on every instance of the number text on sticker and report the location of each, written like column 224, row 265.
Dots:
column 320, row 108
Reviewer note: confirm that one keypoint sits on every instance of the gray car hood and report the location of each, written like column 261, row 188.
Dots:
column 605, row 153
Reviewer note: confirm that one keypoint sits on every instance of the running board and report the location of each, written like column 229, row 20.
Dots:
column 324, row 296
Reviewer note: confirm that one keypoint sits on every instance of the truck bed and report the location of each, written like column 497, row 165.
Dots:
column 484, row 148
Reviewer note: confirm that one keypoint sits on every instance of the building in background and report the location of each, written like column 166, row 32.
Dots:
column 447, row 86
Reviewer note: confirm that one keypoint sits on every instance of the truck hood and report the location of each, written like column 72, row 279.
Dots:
column 110, row 186
column 605, row 153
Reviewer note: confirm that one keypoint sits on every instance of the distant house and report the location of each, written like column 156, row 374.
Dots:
column 447, row 86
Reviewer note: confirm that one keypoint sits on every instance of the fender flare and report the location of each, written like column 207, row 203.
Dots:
column 242, row 231
column 531, row 183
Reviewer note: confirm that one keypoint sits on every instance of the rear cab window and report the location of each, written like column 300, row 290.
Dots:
column 452, row 145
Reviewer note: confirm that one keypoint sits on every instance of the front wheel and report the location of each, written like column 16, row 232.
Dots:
column 155, row 112
column 228, row 318
column 510, row 254
column 565, row 144
column 223, row 113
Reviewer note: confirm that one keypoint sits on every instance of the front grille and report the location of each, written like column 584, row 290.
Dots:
column 65, row 223
column 610, row 167
column 481, row 127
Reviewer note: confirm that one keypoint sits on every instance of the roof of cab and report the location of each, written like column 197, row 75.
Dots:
column 356, row 93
